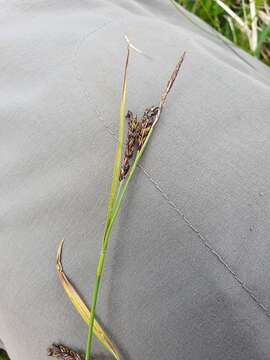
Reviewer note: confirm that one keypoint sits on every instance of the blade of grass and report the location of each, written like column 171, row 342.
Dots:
column 254, row 32
column 264, row 17
column 235, row 17
column 213, row 34
column 117, row 160
column 3, row 355
column 111, row 201
column 231, row 25
column 81, row 307
column 244, row 12
column 263, row 37
column 212, row 20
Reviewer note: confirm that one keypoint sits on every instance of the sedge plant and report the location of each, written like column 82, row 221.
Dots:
column 119, row 187
column 139, row 133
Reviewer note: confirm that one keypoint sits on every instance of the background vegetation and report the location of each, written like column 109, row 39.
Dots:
column 245, row 22
column 3, row 355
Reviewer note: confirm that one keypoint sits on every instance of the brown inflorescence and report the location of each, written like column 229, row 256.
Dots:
column 63, row 352
column 146, row 124
column 137, row 133
column 131, row 143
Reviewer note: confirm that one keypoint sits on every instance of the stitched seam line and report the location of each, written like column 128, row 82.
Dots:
column 206, row 243
column 203, row 239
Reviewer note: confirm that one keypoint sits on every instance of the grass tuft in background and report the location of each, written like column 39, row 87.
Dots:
column 3, row 355
column 245, row 22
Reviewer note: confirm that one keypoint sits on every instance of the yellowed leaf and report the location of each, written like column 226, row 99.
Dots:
column 81, row 307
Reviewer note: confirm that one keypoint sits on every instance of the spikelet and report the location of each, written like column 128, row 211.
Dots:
column 60, row 351
column 63, row 352
column 131, row 143
column 146, row 124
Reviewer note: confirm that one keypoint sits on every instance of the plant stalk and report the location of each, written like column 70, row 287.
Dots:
column 115, row 206
column 110, row 210
column 94, row 303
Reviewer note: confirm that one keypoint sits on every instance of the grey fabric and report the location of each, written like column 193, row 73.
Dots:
column 187, row 272
column 1, row 345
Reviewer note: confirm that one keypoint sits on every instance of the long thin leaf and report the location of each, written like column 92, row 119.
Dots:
column 117, row 161
column 111, row 201
column 254, row 33
column 262, row 39
column 213, row 34
column 237, row 18
column 3, row 355
column 81, row 307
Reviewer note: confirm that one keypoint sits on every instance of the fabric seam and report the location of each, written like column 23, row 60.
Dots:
column 203, row 239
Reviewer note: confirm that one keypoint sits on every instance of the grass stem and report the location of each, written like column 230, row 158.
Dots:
column 112, row 196
column 118, row 195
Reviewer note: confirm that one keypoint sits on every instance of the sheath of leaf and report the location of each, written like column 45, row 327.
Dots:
column 81, row 307
column 131, row 143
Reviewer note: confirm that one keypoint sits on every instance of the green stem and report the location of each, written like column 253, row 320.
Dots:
column 99, row 271
column 120, row 195
column 110, row 210
column 94, row 302
column 117, row 198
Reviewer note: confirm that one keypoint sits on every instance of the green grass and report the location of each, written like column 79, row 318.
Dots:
column 3, row 355
column 245, row 22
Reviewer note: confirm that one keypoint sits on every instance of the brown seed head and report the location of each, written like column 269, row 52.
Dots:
column 131, row 143
column 63, row 352
column 146, row 124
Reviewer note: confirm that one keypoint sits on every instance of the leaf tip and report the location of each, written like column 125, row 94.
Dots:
column 59, row 266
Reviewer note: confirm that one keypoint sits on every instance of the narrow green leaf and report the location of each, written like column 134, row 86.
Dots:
column 117, row 162
column 262, row 38
column 3, row 355
column 111, row 201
